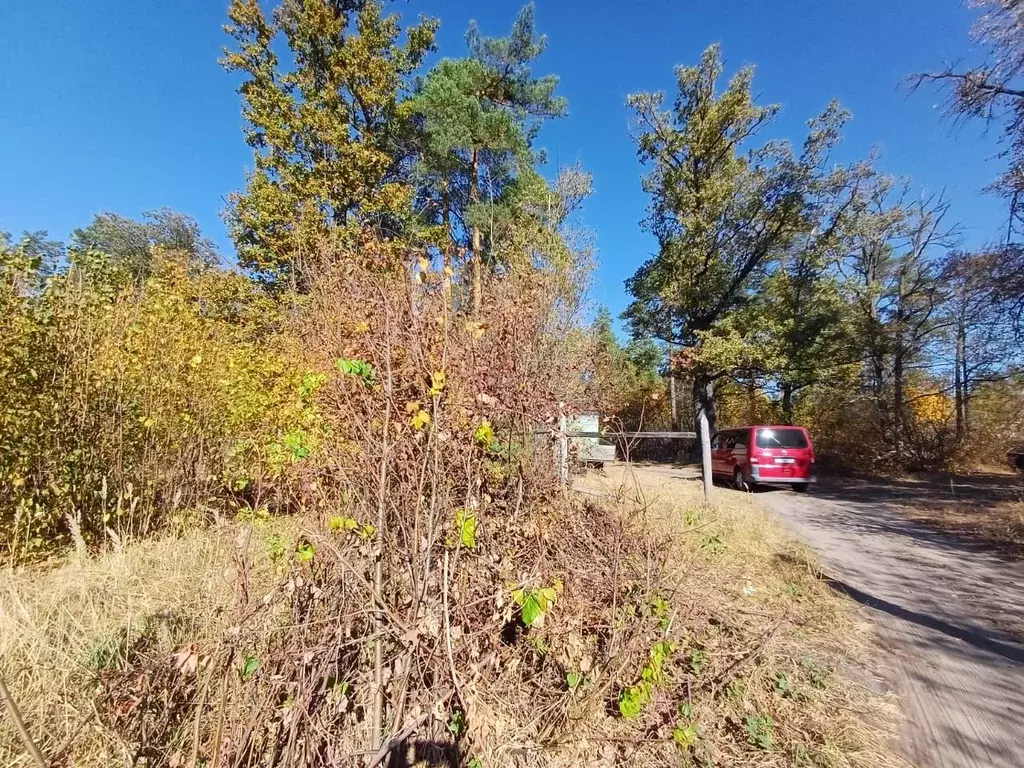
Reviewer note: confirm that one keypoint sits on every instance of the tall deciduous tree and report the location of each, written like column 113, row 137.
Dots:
column 327, row 125
column 894, row 288
column 978, row 327
column 801, row 305
column 129, row 243
column 722, row 212
column 481, row 115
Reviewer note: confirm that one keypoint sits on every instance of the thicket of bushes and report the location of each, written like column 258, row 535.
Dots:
column 407, row 326
column 130, row 401
column 633, row 388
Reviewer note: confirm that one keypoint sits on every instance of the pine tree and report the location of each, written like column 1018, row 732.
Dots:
column 481, row 115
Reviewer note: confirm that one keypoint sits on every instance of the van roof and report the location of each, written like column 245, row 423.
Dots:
column 766, row 426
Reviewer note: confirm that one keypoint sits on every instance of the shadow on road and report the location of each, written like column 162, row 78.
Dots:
column 948, row 613
column 978, row 638
column 956, row 511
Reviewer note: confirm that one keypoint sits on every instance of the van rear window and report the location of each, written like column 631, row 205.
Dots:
column 781, row 438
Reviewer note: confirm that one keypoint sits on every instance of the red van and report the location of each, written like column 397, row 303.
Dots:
column 766, row 455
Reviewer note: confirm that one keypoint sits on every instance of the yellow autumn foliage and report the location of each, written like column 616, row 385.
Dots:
column 930, row 407
column 129, row 403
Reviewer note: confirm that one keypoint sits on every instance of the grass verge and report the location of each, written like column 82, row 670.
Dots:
column 671, row 634
column 995, row 524
column 769, row 666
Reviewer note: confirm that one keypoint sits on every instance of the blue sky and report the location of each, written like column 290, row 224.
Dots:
column 120, row 105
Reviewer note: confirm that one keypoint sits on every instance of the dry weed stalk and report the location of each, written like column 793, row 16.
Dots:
column 398, row 619
column 439, row 599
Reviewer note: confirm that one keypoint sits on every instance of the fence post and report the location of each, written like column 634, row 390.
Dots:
column 563, row 449
column 705, row 454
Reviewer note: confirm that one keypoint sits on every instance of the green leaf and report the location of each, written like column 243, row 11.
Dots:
column 783, row 687
column 359, row 369
column 343, row 523
column 305, row 552
column 685, row 735
column 573, row 679
column 249, row 667
column 632, row 701
column 484, row 434
column 760, row 731
column 465, row 524
column 531, row 611
column 457, row 723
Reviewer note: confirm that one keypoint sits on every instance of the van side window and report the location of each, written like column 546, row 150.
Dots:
column 716, row 441
column 741, row 440
column 730, row 441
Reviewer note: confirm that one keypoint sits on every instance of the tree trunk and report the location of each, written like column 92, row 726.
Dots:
column 878, row 395
column 959, row 386
column 899, row 352
column 897, row 403
column 474, row 199
column 446, row 276
column 704, row 407
column 967, row 405
column 787, row 403
column 673, row 403
column 965, row 382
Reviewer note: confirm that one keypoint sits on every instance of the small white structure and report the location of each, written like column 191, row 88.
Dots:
column 589, row 448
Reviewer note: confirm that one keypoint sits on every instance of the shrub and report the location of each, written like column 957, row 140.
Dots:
column 127, row 402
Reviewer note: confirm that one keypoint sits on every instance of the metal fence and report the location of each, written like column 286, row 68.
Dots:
column 564, row 434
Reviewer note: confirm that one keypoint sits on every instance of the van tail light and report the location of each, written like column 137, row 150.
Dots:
column 753, row 459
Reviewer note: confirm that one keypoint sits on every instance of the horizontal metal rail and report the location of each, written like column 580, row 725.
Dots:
column 627, row 435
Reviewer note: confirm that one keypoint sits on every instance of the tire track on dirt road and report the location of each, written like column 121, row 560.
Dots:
column 950, row 616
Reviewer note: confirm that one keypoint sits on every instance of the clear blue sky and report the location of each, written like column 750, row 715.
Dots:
column 120, row 105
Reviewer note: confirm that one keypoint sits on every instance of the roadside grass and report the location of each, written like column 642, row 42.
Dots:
column 996, row 524
column 770, row 666
column 65, row 625
column 750, row 661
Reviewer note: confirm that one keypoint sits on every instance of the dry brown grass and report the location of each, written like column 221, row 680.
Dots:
column 745, row 605
column 997, row 524
column 70, row 629
column 60, row 625
column 750, row 598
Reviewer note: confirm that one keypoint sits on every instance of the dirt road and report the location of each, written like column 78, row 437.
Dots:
column 950, row 615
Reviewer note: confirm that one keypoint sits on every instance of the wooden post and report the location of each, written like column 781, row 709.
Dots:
column 563, row 449
column 705, row 452
column 673, row 402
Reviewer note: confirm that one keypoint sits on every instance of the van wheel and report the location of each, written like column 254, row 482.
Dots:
column 801, row 487
column 738, row 482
